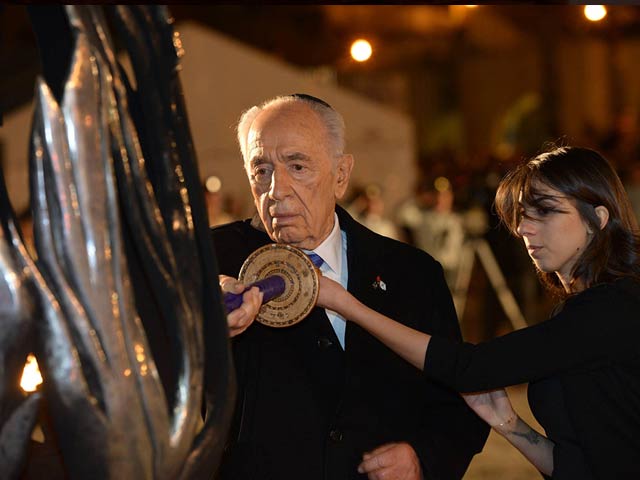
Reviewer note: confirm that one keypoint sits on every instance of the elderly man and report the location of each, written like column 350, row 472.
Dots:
column 316, row 398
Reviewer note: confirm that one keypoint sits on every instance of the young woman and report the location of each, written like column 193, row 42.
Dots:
column 583, row 364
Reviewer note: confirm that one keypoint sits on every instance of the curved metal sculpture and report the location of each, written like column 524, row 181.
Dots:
column 17, row 312
column 124, row 258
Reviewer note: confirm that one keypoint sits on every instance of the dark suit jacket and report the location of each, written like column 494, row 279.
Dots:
column 309, row 410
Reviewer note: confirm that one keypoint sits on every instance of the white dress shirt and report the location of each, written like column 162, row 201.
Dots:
column 334, row 253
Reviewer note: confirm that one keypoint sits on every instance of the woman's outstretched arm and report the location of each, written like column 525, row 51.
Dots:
column 410, row 344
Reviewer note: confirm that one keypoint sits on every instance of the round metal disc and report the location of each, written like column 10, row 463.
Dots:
column 301, row 283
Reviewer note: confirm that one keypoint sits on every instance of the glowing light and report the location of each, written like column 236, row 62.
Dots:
column 213, row 184
column 471, row 6
column 31, row 376
column 595, row 13
column 140, row 357
column 442, row 184
column 177, row 44
column 361, row 50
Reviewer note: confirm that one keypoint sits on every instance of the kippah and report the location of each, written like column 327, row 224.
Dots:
column 311, row 98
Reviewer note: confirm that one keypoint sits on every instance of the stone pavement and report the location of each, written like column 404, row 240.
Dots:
column 499, row 460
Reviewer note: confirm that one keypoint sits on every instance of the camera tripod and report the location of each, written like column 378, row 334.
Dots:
column 478, row 247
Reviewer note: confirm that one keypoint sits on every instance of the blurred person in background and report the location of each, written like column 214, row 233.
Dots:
column 433, row 225
column 215, row 202
column 367, row 207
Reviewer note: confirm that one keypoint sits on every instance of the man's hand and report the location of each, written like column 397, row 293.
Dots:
column 243, row 316
column 392, row 461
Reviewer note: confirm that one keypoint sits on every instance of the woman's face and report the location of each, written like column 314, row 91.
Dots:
column 553, row 231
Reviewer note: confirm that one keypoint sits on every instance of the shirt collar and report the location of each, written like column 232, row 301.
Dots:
column 331, row 248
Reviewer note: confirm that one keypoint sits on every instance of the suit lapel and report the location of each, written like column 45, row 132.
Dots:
column 363, row 263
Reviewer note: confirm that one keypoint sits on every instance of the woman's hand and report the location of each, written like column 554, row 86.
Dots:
column 494, row 407
column 332, row 295
column 243, row 316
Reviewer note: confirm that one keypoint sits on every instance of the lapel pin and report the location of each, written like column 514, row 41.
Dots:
column 379, row 284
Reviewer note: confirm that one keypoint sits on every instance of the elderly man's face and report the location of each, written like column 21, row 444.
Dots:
column 295, row 179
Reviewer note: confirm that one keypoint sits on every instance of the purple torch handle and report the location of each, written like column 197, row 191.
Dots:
column 271, row 287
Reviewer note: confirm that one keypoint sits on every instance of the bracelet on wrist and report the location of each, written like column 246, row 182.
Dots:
column 510, row 421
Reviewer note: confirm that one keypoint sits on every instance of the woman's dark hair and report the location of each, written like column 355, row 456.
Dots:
column 589, row 180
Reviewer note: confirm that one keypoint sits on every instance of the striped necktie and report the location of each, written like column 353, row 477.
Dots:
column 316, row 259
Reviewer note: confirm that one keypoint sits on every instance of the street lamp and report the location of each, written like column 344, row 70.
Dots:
column 361, row 50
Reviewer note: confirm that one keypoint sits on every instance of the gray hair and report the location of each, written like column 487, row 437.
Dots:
column 332, row 120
